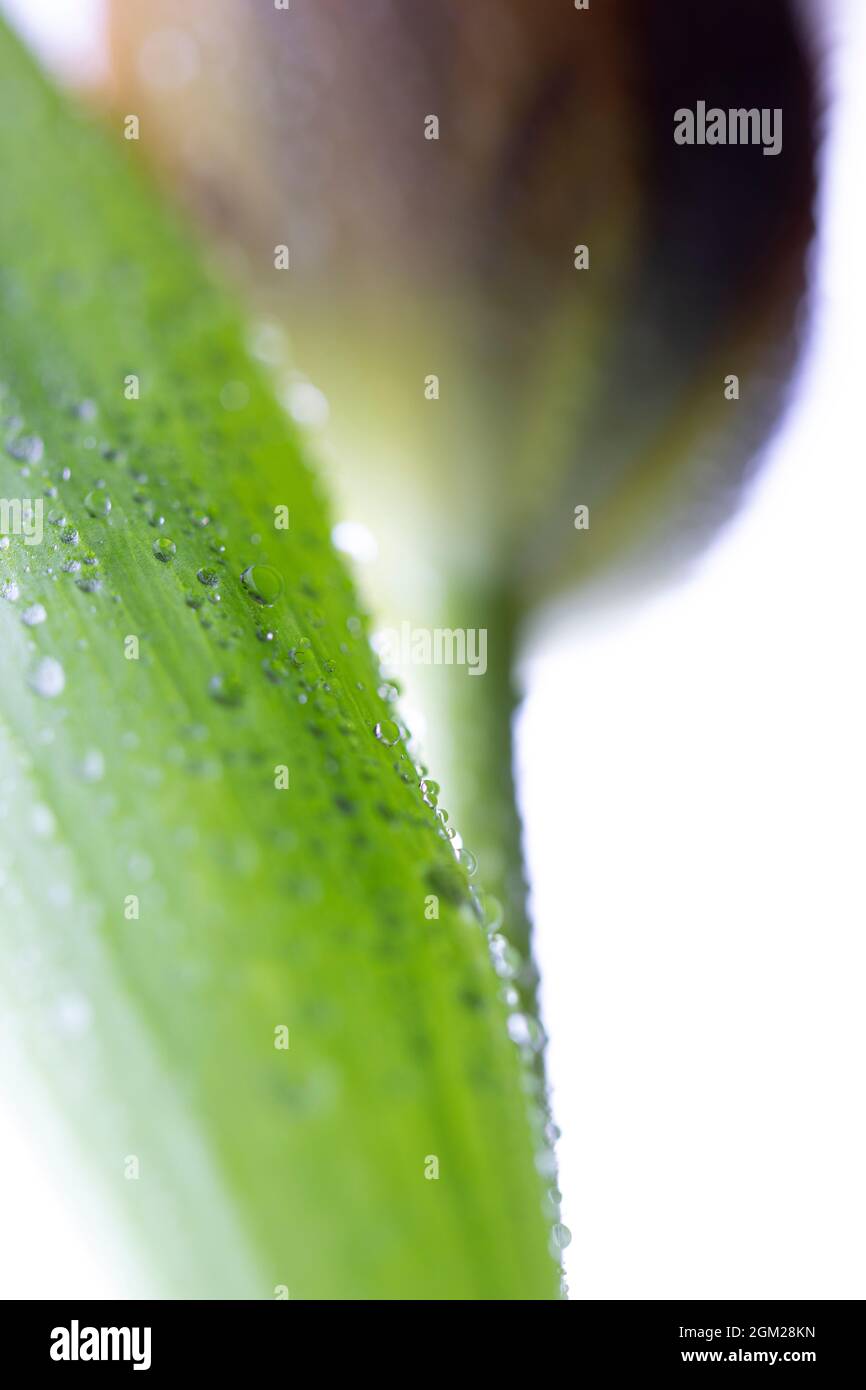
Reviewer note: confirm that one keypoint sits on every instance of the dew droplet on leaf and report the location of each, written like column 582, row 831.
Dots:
column 387, row 732
column 225, row 690
column 47, row 678
column 263, row 583
column 98, row 502
column 164, row 549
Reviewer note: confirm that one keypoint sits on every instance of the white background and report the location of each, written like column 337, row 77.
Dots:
column 696, row 851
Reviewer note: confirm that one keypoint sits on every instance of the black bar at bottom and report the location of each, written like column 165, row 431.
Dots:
column 219, row 1339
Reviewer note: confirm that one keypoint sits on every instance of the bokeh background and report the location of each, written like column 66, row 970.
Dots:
column 693, row 849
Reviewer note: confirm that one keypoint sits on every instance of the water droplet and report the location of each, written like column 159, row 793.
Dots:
column 306, row 404
column 47, row 678
column 140, row 865
column 526, row 1031
column 468, row 860
column 92, row 767
column 561, row 1236
column 387, row 732
column 518, row 1029
column 267, row 342
column 71, row 566
column 226, row 690
column 28, row 448
column 430, row 792
column 489, row 910
column 209, row 578
column 86, row 410
column 164, row 549
column 9, row 590
column 69, row 536
column 42, row 821
column 73, row 1015
column 33, row 615
column 505, row 958
column 56, row 517
column 545, row 1163
column 98, row 502
column 263, row 583
column 276, row 670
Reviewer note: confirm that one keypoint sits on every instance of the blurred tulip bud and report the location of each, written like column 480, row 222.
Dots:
column 519, row 293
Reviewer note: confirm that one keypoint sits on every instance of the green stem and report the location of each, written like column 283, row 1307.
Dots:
column 483, row 802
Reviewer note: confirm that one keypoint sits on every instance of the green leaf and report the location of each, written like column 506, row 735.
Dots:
column 169, row 905
column 565, row 381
